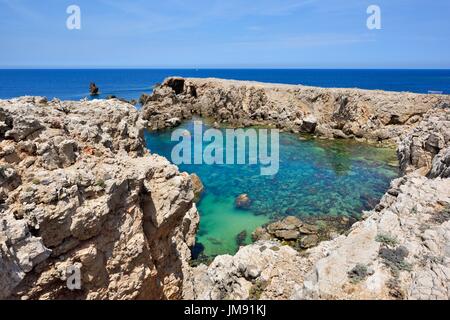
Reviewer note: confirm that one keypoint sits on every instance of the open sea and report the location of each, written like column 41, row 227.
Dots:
column 73, row 84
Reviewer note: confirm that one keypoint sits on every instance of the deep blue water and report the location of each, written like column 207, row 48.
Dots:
column 131, row 83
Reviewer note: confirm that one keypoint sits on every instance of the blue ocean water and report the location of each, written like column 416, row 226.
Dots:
column 73, row 84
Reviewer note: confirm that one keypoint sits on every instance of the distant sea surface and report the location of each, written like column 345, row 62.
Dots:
column 73, row 84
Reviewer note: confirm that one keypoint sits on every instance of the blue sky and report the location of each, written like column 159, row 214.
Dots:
column 225, row 33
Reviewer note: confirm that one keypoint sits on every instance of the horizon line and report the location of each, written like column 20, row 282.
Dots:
column 209, row 68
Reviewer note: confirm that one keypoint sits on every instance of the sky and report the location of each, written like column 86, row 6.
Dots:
column 225, row 34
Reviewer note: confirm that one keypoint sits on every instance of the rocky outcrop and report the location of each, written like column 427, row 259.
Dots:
column 93, row 89
column 304, row 234
column 79, row 190
column 332, row 113
column 426, row 146
column 197, row 186
column 264, row 269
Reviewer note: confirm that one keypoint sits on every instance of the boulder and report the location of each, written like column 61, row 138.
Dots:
column 309, row 241
column 197, row 186
column 309, row 124
column 173, row 122
column 243, row 201
column 241, row 238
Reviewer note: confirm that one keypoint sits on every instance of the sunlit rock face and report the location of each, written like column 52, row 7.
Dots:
column 78, row 189
column 377, row 116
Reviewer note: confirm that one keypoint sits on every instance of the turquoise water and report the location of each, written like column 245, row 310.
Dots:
column 316, row 177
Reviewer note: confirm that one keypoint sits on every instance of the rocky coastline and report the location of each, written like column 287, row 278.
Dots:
column 399, row 250
column 368, row 115
column 79, row 188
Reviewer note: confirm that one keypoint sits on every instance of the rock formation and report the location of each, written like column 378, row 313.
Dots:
column 377, row 116
column 79, row 190
column 197, row 186
column 301, row 234
column 243, row 201
column 93, row 89
column 400, row 250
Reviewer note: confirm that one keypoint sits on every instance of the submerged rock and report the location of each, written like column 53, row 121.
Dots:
column 300, row 234
column 243, row 201
column 241, row 238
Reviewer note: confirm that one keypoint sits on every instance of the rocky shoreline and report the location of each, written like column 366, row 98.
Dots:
column 78, row 188
column 398, row 251
column 367, row 115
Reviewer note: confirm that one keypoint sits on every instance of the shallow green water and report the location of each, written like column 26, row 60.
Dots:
column 316, row 177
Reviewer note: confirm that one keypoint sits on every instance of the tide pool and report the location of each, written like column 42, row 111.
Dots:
column 316, row 177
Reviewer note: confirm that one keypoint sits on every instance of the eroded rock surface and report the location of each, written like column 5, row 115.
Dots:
column 427, row 145
column 78, row 189
column 333, row 113
column 302, row 234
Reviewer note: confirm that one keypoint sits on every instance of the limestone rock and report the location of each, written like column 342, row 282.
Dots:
column 197, row 186
column 309, row 124
column 376, row 116
column 78, row 188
